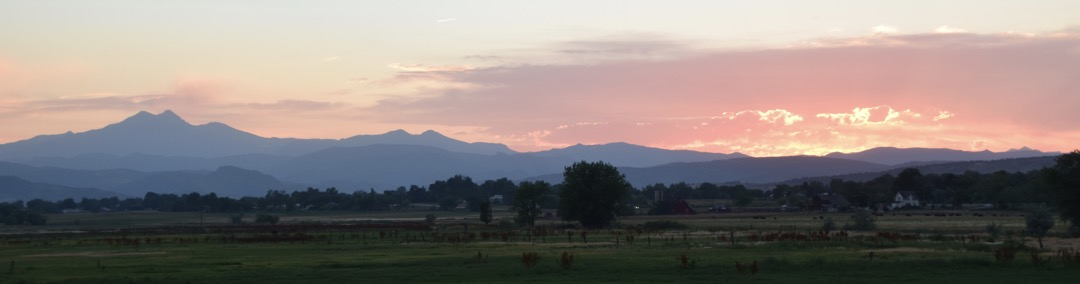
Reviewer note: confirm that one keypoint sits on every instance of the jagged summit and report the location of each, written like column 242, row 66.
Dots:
column 167, row 134
column 170, row 115
column 145, row 118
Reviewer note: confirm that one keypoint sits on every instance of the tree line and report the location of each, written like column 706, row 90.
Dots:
column 595, row 193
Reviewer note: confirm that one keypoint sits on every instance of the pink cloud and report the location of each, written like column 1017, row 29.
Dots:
column 890, row 90
column 956, row 90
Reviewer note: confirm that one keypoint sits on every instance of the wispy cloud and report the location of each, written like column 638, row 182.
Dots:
column 446, row 20
column 883, row 29
column 429, row 68
column 892, row 90
column 949, row 30
column 871, row 116
column 943, row 115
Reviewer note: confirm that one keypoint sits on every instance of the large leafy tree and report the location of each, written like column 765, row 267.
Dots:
column 1064, row 178
column 592, row 193
column 527, row 200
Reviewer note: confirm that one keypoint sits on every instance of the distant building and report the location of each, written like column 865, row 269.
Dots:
column 828, row 202
column 496, row 199
column 904, row 199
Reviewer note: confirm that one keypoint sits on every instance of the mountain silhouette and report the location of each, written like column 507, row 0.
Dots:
column 400, row 137
column 630, row 155
column 898, row 156
column 15, row 188
column 1011, row 165
column 739, row 170
column 166, row 154
column 101, row 179
column 163, row 134
column 225, row 181
column 167, row 134
column 390, row 165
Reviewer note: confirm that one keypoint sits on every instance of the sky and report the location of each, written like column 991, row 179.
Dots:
column 764, row 78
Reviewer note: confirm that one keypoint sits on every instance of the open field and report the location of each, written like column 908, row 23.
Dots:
column 396, row 247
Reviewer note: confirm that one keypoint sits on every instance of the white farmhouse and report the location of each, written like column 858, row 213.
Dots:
column 904, row 199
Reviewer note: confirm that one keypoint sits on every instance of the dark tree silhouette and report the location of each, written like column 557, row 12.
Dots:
column 485, row 211
column 1064, row 178
column 527, row 200
column 592, row 193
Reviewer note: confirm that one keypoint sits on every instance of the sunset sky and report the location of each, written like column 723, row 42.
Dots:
column 764, row 78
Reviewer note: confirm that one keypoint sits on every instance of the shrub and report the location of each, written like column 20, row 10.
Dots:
column 994, row 230
column 429, row 219
column 829, row 225
column 266, row 218
column 863, row 221
column 1039, row 221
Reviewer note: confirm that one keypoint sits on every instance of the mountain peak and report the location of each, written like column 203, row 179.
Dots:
column 141, row 115
column 169, row 114
column 398, row 132
column 432, row 133
column 166, row 116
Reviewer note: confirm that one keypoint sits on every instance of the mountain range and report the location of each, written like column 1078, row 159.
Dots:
column 166, row 154
column 166, row 134
column 898, row 156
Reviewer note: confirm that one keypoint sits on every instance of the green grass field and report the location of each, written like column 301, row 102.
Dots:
column 371, row 248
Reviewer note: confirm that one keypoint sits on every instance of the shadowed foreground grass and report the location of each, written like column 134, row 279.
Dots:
column 64, row 260
column 383, row 247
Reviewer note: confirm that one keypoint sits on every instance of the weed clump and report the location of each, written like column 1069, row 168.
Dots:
column 566, row 260
column 1007, row 251
column 530, row 259
column 686, row 262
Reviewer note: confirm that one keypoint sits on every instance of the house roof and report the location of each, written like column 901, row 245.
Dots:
column 834, row 200
column 907, row 194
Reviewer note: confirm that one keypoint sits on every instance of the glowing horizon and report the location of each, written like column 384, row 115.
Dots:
column 749, row 78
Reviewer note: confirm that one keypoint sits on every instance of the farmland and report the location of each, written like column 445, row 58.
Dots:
column 400, row 247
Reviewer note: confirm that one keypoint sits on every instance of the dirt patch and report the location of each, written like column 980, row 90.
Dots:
column 96, row 254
